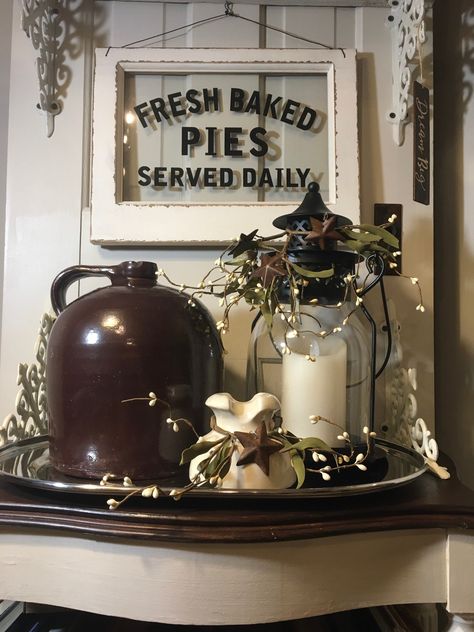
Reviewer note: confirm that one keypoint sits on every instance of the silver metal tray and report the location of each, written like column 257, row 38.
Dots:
column 27, row 463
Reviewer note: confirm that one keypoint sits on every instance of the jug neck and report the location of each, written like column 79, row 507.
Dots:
column 135, row 274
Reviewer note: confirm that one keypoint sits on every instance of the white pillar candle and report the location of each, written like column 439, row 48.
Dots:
column 316, row 388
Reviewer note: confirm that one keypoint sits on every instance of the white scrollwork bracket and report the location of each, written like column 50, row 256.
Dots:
column 402, row 423
column 426, row 445
column 41, row 21
column 408, row 33
column 422, row 440
column 31, row 407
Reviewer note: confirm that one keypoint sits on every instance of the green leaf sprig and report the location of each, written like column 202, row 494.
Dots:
column 215, row 466
column 253, row 269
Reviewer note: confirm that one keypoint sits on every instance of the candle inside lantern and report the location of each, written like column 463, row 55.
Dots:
column 315, row 388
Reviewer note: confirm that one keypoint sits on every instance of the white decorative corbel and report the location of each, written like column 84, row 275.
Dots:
column 408, row 33
column 421, row 438
column 401, row 420
column 30, row 417
column 41, row 21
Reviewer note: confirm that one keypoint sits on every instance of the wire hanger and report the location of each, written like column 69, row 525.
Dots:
column 228, row 12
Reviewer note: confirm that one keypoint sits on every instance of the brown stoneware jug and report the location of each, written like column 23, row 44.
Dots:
column 118, row 343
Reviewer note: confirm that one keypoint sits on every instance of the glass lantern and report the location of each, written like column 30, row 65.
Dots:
column 319, row 359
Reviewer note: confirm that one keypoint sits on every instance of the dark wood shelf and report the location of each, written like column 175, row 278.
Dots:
column 423, row 503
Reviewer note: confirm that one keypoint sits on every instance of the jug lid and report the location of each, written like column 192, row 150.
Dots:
column 138, row 269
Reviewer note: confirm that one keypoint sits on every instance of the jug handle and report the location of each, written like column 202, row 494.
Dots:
column 68, row 276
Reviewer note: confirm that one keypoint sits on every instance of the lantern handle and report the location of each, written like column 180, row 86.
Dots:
column 388, row 329
column 376, row 265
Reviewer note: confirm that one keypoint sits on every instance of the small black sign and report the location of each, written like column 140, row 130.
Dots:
column 421, row 144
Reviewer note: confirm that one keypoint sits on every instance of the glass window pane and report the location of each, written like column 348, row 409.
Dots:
column 223, row 138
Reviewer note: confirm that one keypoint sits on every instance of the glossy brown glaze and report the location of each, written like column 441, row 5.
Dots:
column 121, row 342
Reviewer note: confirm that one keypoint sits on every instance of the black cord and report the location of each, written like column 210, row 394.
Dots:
column 388, row 330
column 178, row 28
column 274, row 28
column 229, row 12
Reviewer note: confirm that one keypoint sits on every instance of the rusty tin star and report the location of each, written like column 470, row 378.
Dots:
column 258, row 447
column 271, row 266
column 322, row 230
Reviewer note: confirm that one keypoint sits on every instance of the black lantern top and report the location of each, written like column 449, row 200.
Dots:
column 311, row 206
column 313, row 245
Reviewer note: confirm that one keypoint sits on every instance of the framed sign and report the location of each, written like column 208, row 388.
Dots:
column 195, row 146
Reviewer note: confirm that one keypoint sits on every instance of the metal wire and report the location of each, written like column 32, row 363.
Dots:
column 158, row 35
column 228, row 12
column 278, row 30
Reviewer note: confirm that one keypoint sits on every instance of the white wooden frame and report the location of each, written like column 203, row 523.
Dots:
column 126, row 223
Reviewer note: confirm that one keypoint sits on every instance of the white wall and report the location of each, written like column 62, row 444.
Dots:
column 47, row 181
column 454, row 217
column 5, row 56
column 43, row 202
